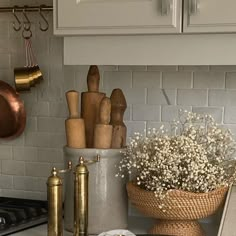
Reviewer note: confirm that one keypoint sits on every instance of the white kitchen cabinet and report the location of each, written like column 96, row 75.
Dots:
column 109, row 17
column 147, row 32
column 203, row 16
column 130, row 17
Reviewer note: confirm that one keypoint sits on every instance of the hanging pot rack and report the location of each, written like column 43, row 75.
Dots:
column 27, row 24
column 26, row 8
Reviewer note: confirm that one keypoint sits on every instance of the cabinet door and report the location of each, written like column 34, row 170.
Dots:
column 104, row 17
column 209, row 16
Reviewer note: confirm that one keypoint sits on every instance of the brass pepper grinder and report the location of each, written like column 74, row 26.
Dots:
column 81, row 181
column 54, row 195
column 54, row 188
column 54, row 183
column 81, row 199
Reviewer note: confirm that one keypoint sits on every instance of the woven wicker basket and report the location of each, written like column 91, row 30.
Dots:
column 180, row 208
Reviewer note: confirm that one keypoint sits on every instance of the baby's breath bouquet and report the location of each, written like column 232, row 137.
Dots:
column 197, row 155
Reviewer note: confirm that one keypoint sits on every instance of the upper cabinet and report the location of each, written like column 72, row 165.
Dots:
column 203, row 16
column 132, row 17
column 106, row 17
column 147, row 32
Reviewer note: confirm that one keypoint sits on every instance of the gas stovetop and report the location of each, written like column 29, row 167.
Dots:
column 18, row 214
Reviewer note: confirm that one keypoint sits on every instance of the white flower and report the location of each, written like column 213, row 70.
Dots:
column 199, row 158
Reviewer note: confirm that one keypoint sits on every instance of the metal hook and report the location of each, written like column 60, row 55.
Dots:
column 44, row 19
column 17, row 19
column 27, row 22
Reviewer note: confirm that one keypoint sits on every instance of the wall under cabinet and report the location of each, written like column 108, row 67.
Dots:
column 25, row 162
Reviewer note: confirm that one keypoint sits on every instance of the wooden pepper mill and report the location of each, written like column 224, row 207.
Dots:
column 75, row 128
column 90, row 102
column 118, row 107
column 103, row 131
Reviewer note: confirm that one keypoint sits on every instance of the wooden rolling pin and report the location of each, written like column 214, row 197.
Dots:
column 90, row 102
column 103, row 131
column 118, row 107
column 75, row 128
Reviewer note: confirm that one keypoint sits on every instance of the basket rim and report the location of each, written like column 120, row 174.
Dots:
column 180, row 192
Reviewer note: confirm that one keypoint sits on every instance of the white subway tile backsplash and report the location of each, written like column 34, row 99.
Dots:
column 12, row 167
column 58, row 109
column 146, row 112
column 193, row 68
column 37, row 108
column 51, row 124
column 50, row 155
column 135, row 95
column 162, row 68
column 37, row 139
column 36, row 195
column 5, row 152
column 6, row 182
column 231, row 127
column 37, row 169
column 128, row 113
column 55, row 45
column 170, row 113
column 157, row 125
column 194, row 97
column 230, row 115
column 4, row 46
column 108, row 68
column 4, row 29
column 25, row 183
column 25, row 153
column 117, row 79
column 154, row 95
column 150, row 79
column 42, row 186
column 135, row 126
column 56, row 140
column 216, row 112
column 220, row 97
column 132, row 68
column 173, row 80
column 230, row 80
column 50, row 94
column 4, row 60
column 212, row 79
column 31, row 124
column 223, row 68
column 161, row 96
column 19, row 141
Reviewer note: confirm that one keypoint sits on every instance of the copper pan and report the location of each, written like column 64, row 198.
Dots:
column 12, row 112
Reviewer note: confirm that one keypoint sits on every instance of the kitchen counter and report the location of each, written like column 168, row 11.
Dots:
column 137, row 225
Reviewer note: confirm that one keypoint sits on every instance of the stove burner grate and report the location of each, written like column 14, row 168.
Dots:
column 18, row 214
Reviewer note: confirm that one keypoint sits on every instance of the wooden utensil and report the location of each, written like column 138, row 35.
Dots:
column 103, row 131
column 90, row 102
column 118, row 107
column 75, row 128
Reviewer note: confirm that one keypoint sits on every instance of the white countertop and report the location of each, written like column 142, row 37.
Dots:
column 137, row 225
